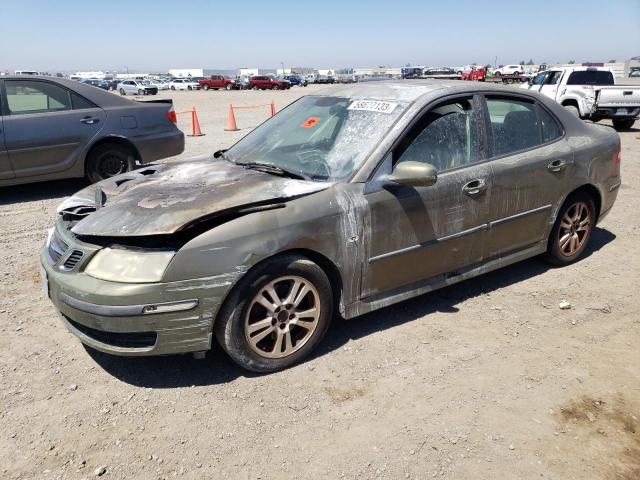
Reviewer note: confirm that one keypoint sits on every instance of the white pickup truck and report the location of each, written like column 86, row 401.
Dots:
column 590, row 93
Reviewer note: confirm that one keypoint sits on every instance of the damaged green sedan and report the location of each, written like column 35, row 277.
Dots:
column 345, row 202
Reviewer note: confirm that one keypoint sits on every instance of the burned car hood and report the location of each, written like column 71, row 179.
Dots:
column 166, row 198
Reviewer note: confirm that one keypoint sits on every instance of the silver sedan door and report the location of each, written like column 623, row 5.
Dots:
column 47, row 126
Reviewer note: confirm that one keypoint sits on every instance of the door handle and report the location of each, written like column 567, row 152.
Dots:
column 557, row 166
column 474, row 187
column 89, row 120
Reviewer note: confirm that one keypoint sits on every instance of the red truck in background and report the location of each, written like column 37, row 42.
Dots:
column 268, row 83
column 476, row 73
column 217, row 82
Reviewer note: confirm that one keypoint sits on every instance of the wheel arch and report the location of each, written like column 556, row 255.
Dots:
column 593, row 192
column 328, row 267
column 125, row 142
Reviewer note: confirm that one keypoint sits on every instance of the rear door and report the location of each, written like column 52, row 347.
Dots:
column 46, row 126
column 530, row 162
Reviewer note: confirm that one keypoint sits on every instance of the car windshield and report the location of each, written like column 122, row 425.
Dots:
column 320, row 138
column 591, row 77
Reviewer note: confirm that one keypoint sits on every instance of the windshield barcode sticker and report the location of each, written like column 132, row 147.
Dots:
column 373, row 106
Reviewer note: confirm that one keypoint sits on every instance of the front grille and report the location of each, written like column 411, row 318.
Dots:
column 56, row 248
column 117, row 339
column 73, row 259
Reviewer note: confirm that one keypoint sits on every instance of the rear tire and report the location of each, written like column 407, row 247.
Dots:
column 108, row 160
column 122, row 92
column 623, row 124
column 172, row 87
column 189, row 87
column 206, row 87
column 571, row 232
column 285, row 339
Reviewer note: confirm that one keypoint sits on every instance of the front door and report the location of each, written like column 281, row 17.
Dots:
column 46, row 126
column 422, row 233
column 530, row 163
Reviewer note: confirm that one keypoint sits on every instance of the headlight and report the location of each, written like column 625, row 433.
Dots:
column 128, row 266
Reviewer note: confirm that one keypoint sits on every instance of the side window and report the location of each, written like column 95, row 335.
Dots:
column 553, row 78
column 25, row 96
column 514, row 125
column 446, row 137
column 80, row 103
column 550, row 128
column 539, row 78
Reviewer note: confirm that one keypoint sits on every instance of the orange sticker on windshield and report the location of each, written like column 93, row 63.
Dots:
column 310, row 122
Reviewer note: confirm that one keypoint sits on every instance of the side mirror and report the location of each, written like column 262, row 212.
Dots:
column 414, row 174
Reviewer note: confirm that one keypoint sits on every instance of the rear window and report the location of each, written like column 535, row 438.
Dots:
column 591, row 77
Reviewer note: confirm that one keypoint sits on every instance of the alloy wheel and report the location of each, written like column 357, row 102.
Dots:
column 282, row 317
column 574, row 229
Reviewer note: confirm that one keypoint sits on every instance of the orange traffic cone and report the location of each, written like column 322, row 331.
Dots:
column 231, row 121
column 273, row 108
column 195, row 124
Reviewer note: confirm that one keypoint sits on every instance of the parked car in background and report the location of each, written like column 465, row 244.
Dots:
column 296, row 80
column 136, row 87
column 183, row 84
column 509, row 70
column 590, row 92
column 262, row 82
column 261, row 245
column 103, row 84
column 217, row 82
column 58, row 128
column 159, row 84
column 325, row 79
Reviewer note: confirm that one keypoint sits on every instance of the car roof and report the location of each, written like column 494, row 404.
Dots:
column 100, row 97
column 409, row 90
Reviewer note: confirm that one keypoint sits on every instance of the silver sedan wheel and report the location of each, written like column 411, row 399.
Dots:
column 574, row 229
column 282, row 317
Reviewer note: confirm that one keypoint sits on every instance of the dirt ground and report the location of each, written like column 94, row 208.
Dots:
column 487, row 379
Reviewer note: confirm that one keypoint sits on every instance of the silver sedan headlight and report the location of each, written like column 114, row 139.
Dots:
column 129, row 266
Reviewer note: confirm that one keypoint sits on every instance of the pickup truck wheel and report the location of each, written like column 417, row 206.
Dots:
column 228, row 87
column 122, row 92
column 275, row 87
column 172, row 87
column 276, row 315
column 206, row 87
column 255, row 87
column 189, row 87
column 573, row 109
column 623, row 123
column 105, row 161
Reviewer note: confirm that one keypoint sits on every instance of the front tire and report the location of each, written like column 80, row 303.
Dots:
column 572, row 230
column 573, row 109
column 623, row 124
column 206, row 87
column 276, row 315
column 108, row 160
column 122, row 92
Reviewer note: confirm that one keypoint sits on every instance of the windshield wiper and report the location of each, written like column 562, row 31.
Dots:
column 273, row 169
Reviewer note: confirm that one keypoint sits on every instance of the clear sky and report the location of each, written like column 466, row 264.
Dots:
column 155, row 35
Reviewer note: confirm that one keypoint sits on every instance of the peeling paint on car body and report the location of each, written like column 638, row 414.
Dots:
column 385, row 242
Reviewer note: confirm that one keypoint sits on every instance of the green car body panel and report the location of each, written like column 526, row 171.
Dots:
column 379, row 243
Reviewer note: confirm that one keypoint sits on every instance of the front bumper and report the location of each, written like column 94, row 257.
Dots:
column 110, row 316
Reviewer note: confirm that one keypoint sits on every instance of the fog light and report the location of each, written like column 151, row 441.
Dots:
column 169, row 307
